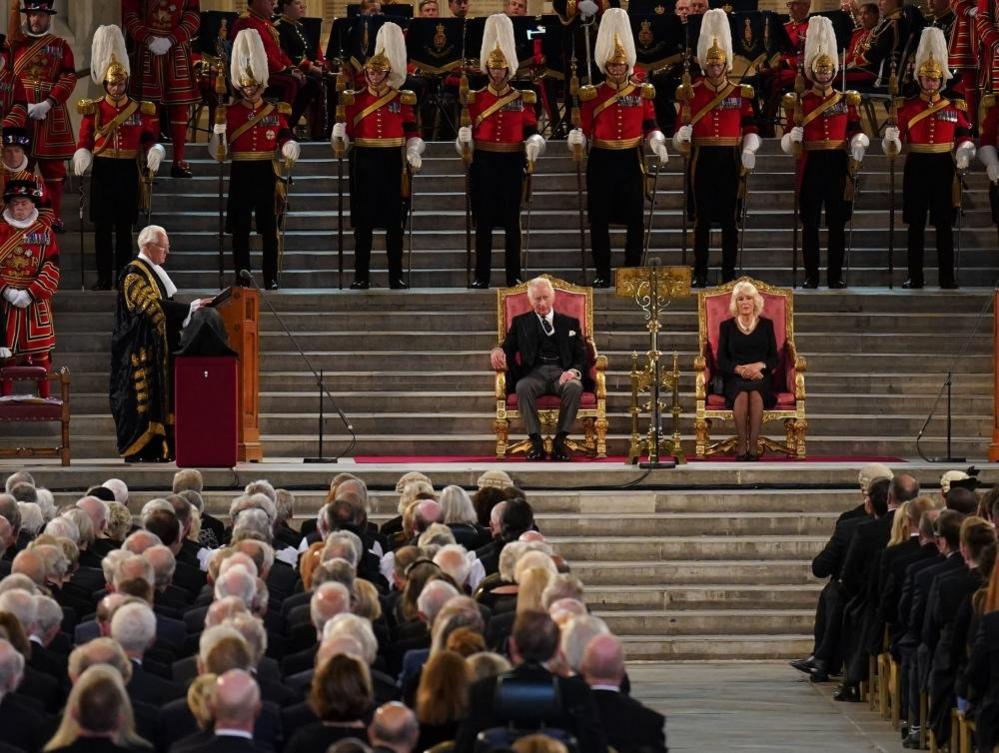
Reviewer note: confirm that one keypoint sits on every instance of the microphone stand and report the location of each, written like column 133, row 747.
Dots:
column 320, row 382
column 948, row 385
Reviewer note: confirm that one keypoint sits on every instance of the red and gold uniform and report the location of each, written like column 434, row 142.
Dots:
column 29, row 260
column 720, row 116
column 118, row 134
column 255, row 135
column 780, row 77
column 14, row 136
column 829, row 121
column 856, row 57
column 501, row 121
column 167, row 79
column 378, row 123
column 279, row 64
column 985, row 40
column 930, row 128
column 616, row 120
column 13, row 100
column 45, row 67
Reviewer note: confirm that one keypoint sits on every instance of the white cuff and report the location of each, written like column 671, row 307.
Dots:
column 750, row 142
column 988, row 155
column 539, row 140
column 416, row 144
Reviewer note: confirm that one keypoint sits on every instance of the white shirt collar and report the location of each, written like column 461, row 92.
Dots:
column 168, row 286
column 604, row 686
column 550, row 318
column 223, row 732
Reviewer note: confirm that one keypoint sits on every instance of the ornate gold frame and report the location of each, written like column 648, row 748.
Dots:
column 795, row 422
column 594, row 420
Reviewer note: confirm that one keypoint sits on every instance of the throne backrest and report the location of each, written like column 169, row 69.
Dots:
column 570, row 300
column 778, row 307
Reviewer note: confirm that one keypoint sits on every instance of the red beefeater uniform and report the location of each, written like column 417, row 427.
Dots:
column 961, row 57
column 278, row 63
column 44, row 203
column 29, row 260
column 45, row 67
column 985, row 39
column 13, row 100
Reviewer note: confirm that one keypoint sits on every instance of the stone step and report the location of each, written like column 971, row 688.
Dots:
column 718, row 647
column 710, row 622
column 683, row 547
column 672, row 524
column 703, row 598
column 701, row 572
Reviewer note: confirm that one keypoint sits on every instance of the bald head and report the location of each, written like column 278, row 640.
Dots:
column 236, row 701
column 223, row 609
column 394, row 726
column 164, row 564
column 328, row 600
column 97, row 511
column 31, row 564
column 603, row 661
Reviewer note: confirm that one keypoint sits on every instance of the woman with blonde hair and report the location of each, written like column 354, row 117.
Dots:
column 366, row 601
column 533, row 583
column 98, row 716
column 901, row 525
column 441, row 698
column 199, row 700
column 747, row 356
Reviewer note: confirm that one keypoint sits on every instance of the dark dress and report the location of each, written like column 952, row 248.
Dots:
column 736, row 348
column 317, row 737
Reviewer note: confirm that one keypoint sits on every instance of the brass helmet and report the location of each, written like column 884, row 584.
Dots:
column 931, row 55
column 108, row 57
column 820, row 47
column 714, row 45
column 615, row 42
column 715, row 54
column 378, row 62
column 248, row 62
column 390, row 54
column 498, row 48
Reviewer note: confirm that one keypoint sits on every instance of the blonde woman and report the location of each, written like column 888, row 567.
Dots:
column 901, row 525
column 747, row 356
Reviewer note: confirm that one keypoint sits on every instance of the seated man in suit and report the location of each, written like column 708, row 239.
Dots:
column 235, row 706
column 630, row 726
column 551, row 362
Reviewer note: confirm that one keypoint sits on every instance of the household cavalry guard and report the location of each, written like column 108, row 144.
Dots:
column 831, row 147
column 44, row 65
column 937, row 135
column 256, row 137
column 503, row 133
column 116, row 134
column 717, row 118
column 617, row 118
column 161, row 32
column 378, row 127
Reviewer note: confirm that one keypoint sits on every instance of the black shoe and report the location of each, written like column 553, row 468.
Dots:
column 601, row 282
column 912, row 284
column 742, row 458
column 819, row 676
column 360, row 285
column 271, row 285
column 560, row 453
column 699, row 281
column 912, row 739
column 810, row 283
column 948, row 285
column 479, row 285
column 847, row 692
column 180, row 170
column 837, row 285
column 101, row 285
column 512, row 282
column 537, row 451
column 803, row 665
column 399, row 284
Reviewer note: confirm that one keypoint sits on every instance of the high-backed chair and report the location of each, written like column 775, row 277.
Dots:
column 788, row 377
column 577, row 302
column 37, row 407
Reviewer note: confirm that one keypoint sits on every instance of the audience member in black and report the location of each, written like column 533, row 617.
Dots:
column 963, row 500
column 235, row 706
column 190, row 479
column 920, row 546
column 518, row 517
column 393, row 729
column 341, row 696
column 133, row 627
column 98, row 717
column 23, row 723
column 284, row 534
column 630, row 727
column 460, row 517
column 535, row 641
column 45, row 692
column 10, row 511
column 441, row 698
column 982, row 673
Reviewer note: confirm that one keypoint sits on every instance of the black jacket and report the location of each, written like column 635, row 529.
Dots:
column 829, row 561
column 630, row 726
column 523, row 344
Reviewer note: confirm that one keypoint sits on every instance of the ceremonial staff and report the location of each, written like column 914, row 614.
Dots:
column 282, row 206
column 892, row 153
column 586, row 24
column 577, row 156
column 465, row 121
column 220, row 150
column 338, row 151
column 796, row 118
column 687, row 91
column 83, row 255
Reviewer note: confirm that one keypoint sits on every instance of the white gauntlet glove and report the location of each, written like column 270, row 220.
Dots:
column 891, row 144
column 5, row 353
column 81, row 161
column 339, row 134
column 963, row 155
column 657, row 142
column 577, row 141
column 40, row 110
column 155, row 157
column 291, row 150
column 990, row 158
column 464, row 141
column 534, row 147
column 795, row 136
column 414, row 149
column 158, row 45
column 750, row 143
column 19, row 298
column 683, row 135
column 858, row 147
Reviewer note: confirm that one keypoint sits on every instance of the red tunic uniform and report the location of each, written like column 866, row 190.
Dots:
column 13, row 100
column 985, row 38
column 277, row 60
column 44, row 65
column 261, row 140
column 796, row 33
column 615, row 117
column 720, row 116
column 829, row 120
column 167, row 79
column 860, row 40
column 501, row 122
column 380, row 120
column 135, row 132
column 29, row 260
column 932, row 128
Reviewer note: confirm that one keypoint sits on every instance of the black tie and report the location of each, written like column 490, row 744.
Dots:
column 547, row 327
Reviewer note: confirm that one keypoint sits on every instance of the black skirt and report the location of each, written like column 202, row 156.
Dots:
column 714, row 184
column 376, row 187
column 114, row 191
column 251, row 189
column 928, row 184
column 496, row 182
column 614, row 190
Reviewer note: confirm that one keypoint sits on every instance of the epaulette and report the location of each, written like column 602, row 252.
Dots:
column 960, row 104
column 147, row 108
column 284, row 108
column 407, row 97
column 470, row 97
column 347, row 97
column 648, row 91
column 588, row 92
column 86, row 106
column 853, row 98
column 529, row 97
column 748, row 92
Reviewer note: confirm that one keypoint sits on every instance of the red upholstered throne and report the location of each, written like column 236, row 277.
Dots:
column 789, row 376
column 577, row 302
column 17, row 408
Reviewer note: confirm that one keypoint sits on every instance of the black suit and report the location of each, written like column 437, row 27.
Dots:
column 24, row 725
column 150, row 688
column 578, row 714
column 97, row 745
column 630, row 726
column 210, row 743
column 531, row 376
column 177, row 726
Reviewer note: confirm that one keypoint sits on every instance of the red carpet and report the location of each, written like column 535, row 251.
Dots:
column 619, row 459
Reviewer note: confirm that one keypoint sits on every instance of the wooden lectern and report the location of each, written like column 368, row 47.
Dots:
column 240, row 310
column 994, row 447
